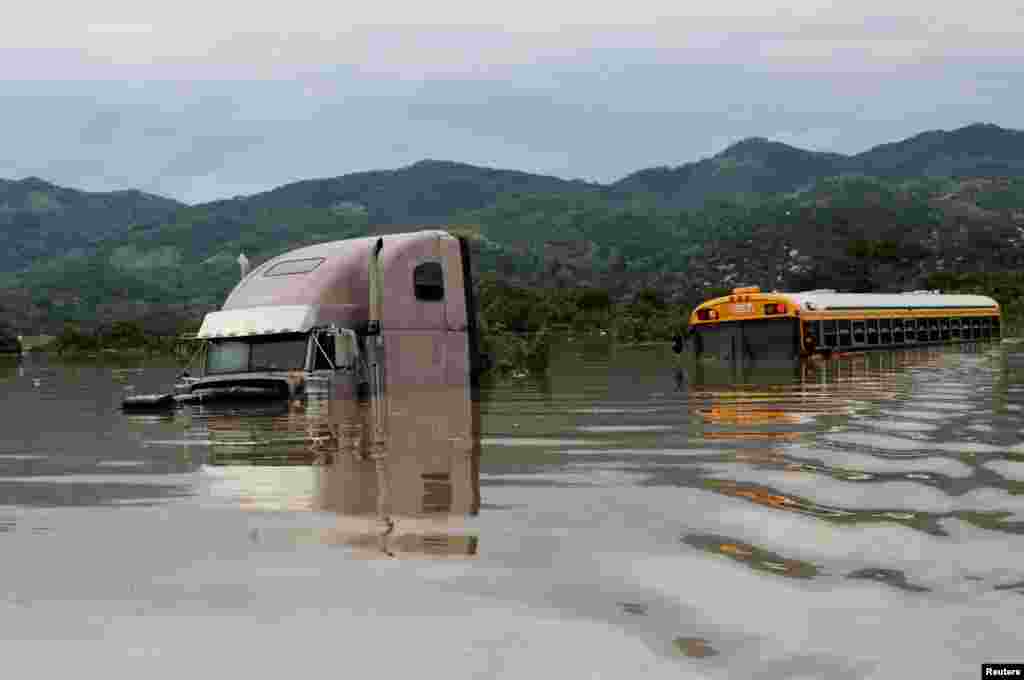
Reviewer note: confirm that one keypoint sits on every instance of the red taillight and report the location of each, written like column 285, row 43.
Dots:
column 775, row 308
column 706, row 315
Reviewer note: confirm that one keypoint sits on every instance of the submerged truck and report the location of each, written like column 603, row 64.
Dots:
column 378, row 336
column 352, row 318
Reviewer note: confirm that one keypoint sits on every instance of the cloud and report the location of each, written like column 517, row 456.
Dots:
column 120, row 29
column 204, row 155
column 101, row 128
column 253, row 95
column 415, row 39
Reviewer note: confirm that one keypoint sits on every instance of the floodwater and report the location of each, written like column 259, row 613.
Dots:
column 860, row 518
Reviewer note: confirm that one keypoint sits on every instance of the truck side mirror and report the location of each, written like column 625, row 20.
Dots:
column 346, row 349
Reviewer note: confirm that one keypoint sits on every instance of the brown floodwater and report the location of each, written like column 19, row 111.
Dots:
column 620, row 517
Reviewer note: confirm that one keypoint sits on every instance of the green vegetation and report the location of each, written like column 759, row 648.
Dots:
column 9, row 343
column 518, row 324
column 124, row 338
column 39, row 219
column 567, row 239
column 626, row 259
column 192, row 259
column 637, row 235
column 1005, row 196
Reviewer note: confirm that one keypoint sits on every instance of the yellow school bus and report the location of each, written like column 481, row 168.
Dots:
column 750, row 324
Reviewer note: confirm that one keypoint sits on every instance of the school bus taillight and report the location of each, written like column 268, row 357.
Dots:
column 774, row 308
column 707, row 315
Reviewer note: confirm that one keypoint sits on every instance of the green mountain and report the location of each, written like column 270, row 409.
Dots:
column 760, row 212
column 429, row 191
column 752, row 166
column 39, row 219
column 979, row 150
column 165, row 271
column 760, row 166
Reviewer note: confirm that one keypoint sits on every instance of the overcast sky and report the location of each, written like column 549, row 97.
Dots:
column 200, row 100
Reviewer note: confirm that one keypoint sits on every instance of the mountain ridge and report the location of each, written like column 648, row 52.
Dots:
column 1005, row 143
column 39, row 218
column 732, row 217
column 759, row 165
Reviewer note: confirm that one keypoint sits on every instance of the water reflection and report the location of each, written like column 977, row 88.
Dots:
column 398, row 477
column 754, row 557
column 711, row 524
column 844, row 420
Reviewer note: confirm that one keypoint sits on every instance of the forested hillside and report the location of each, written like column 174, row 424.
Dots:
column 39, row 220
column 759, row 166
column 760, row 213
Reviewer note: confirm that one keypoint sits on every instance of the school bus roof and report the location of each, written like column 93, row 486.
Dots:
column 831, row 300
column 821, row 301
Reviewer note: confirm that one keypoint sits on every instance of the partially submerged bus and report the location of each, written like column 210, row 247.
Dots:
column 351, row 317
column 752, row 325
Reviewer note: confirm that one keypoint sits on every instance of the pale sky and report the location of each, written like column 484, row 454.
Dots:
column 205, row 100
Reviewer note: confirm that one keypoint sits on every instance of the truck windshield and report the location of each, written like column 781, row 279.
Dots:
column 270, row 353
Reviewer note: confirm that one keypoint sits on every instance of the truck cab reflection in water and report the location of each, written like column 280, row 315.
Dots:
column 397, row 477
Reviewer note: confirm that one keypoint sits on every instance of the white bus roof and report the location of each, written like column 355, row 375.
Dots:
column 822, row 300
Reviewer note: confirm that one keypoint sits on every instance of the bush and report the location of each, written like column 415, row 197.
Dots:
column 72, row 340
column 518, row 325
column 9, row 343
column 594, row 299
column 125, row 335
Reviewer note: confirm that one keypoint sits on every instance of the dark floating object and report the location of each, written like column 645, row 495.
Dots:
column 140, row 402
column 893, row 577
column 635, row 608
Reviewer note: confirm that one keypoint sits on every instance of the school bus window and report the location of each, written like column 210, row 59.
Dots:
column 858, row 332
column 845, row 337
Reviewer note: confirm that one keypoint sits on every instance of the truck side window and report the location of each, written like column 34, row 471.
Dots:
column 428, row 281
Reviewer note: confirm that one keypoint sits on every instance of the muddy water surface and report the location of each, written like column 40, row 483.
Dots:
column 859, row 518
